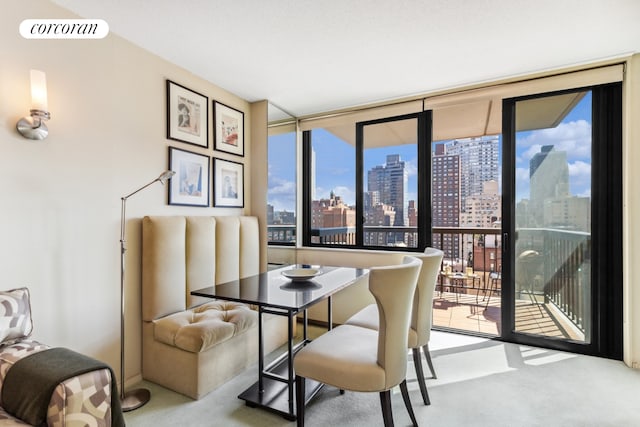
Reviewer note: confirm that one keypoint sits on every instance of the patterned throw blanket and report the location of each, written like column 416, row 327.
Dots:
column 30, row 382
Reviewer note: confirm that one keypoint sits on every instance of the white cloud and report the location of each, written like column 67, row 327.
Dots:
column 411, row 166
column 572, row 137
column 585, row 193
column 281, row 194
column 522, row 183
column 348, row 194
column 580, row 178
column 579, row 168
column 281, row 186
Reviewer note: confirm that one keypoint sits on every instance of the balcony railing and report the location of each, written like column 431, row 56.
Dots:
column 563, row 278
column 283, row 234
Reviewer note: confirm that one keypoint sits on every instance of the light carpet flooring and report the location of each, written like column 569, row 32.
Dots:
column 481, row 382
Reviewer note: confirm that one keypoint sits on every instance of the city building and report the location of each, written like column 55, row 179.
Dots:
column 483, row 210
column 332, row 212
column 549, row 179
column 479, row 163
column 390, row 182
column 445, row 188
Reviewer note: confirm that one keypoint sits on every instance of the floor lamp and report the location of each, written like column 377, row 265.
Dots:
column 133, row 399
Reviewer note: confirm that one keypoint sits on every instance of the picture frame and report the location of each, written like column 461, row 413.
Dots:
column 228, row 129
column 187, row 115
column 190, row 185
column 228, row 183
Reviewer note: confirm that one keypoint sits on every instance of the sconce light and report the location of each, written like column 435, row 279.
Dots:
column 33, row 127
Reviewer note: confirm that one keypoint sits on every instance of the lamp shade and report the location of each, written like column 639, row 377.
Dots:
column 165, row 176
column 39, row 90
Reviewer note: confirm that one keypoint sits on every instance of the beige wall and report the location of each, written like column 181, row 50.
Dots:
column 259, row 173
column 60, row 198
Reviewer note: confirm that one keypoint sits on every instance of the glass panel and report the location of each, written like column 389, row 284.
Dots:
column 281, row 193
column 390, row 183
column 553, row 216
column 333, row 214
column 466, row 205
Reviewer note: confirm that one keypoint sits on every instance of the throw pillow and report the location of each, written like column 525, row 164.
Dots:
column 15, row 316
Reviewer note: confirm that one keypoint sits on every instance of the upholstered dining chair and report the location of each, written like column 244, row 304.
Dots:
column 421, row 316
column 361, row 359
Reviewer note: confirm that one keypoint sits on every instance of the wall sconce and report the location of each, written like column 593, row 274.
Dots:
column 33, row 127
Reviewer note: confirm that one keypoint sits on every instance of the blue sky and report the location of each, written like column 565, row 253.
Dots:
column 573, row 135
column 335, row 160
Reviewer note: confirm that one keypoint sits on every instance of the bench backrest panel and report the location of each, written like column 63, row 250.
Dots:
column 185, row 253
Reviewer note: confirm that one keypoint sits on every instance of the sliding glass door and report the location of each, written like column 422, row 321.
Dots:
column 562, row 251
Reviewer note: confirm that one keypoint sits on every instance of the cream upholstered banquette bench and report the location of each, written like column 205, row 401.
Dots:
column 190, row 344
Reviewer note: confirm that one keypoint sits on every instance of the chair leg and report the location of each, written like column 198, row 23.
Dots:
column 417, row 362
column 407, row 402
column 385, row 402
column 427, row 355
column 300, row 393
column 491, row 288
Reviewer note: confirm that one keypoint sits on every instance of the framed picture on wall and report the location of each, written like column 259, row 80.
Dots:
column 190, row 184
column 228, row 129
column 228, row 183
column 187, row 115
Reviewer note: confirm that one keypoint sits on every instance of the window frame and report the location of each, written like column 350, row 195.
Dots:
column 424, row 127
column 292, row 243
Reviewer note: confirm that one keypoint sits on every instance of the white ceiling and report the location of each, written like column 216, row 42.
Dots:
column 311, row 56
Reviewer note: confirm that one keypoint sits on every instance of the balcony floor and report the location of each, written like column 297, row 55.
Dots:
column 468, row 312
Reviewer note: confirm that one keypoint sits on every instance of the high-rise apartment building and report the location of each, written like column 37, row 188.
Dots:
column 548, row 179
column 569, row 213
column 479, row 163
column 412, row 213
column 445, row 198
column 390, row 181
column 484, row 209
column 445, row 188
column 270, row 213
column 411, row 238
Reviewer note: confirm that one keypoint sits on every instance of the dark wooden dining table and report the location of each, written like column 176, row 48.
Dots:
column 275, row 294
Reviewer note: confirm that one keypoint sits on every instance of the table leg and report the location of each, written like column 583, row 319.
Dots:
column 305, row 324
column 290, row 361
column 260, row 352
column 274, row 389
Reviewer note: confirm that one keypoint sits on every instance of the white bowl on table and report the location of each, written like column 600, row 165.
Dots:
column 301, row 274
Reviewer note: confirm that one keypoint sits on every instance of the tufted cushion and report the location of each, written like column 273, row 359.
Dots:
column 202, row 327
column 15, row 316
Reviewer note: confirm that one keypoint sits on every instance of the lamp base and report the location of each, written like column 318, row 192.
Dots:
column 28, row 128
column 134, row 399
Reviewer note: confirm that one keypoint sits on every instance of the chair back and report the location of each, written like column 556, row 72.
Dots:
column 393, row 288
column 421, row 317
